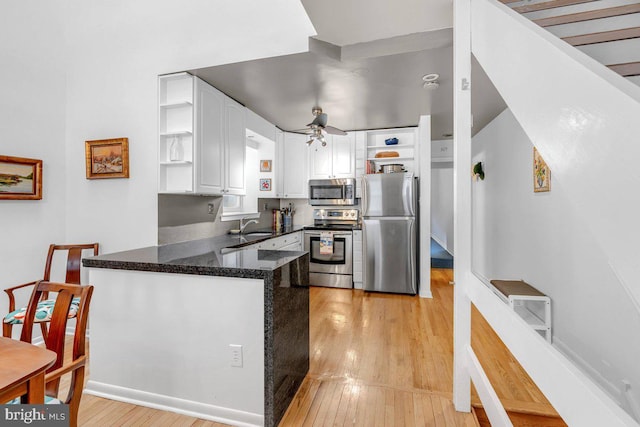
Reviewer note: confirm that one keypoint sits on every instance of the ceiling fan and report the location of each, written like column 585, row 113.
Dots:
column 318, row 125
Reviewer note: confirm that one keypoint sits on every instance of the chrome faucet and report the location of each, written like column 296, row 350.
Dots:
column 243, row 226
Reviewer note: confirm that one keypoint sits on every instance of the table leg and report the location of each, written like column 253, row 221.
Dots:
column 35, row 390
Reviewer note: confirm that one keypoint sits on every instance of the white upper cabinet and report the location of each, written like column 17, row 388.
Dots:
column 235, row 148
column 335, row 160
column 202, row 138
column 293, row 155
column 210, row 137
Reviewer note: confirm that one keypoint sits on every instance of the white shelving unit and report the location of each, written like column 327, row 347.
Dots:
column 528, row 302
column 176, row 127
column 406, row 147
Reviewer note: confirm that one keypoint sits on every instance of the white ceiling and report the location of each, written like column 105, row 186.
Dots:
column 348, row 22
column 364, row 68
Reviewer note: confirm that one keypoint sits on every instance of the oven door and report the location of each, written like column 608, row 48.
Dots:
column 339, row 262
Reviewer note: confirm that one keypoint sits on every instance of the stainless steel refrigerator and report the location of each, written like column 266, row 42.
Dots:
column 389, row 229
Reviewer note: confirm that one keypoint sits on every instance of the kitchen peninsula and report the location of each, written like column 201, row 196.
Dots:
column 202, row 328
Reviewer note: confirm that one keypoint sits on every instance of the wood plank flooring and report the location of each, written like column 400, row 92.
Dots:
column 376, row 360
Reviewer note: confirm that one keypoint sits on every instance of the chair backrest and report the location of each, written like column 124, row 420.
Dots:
column 55, row 339
column 74, row 257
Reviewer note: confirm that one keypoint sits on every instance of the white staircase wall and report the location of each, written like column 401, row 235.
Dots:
column 585, row 121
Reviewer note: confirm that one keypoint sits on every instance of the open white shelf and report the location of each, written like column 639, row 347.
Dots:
column 389, row 159
column 176, row 163
column 390, row 147
column 177, row 133
column 179, row 104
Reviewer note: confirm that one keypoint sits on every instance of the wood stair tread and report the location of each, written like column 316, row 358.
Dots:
column 603, row 37
column 543, row 409
column 589, row 15
column 548, row 5
column 628, row 69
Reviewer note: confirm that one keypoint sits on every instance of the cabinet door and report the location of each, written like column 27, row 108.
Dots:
column 278, row 165
column 295, row 180
column 209, row 136
column 320, row 160
column 235, row 147
column 343, row 156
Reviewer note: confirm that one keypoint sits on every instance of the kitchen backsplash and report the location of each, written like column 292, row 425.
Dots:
column 185, row 217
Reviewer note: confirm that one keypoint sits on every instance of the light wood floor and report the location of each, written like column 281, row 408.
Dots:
column 376, row 360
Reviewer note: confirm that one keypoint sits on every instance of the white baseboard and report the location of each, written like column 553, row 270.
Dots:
column 173, row 404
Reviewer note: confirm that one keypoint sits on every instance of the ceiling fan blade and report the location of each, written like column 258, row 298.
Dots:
column 334, row 131
column 305, row 131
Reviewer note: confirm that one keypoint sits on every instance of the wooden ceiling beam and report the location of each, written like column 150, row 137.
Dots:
column 589, row 15
column 548, row 5
column 629, row 69
column 603, row 37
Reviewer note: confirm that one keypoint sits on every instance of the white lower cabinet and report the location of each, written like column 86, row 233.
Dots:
column 357, row 259
column 288, row 242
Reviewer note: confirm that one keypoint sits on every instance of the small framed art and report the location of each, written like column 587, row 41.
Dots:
column 265, row 165
column 107, row 158
column 541, row 173
column 265, row 184
column 20, row 178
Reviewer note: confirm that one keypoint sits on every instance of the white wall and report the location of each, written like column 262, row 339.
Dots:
column 442, row 204
column 32, row 106
column 116, row 50
column 542, row 239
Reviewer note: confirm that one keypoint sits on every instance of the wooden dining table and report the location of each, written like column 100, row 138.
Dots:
column 22, row 369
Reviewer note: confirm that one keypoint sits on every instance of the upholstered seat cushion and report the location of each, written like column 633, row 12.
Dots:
column 43, row 312
column 47, row 399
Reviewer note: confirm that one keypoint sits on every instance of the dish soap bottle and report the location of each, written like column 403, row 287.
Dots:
column 176, row 153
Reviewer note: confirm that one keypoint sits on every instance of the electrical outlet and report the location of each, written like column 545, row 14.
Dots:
column 210, row 209
column 236, row 355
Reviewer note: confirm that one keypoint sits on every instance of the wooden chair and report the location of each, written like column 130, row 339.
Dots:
column 74, row 256
column 55, row 340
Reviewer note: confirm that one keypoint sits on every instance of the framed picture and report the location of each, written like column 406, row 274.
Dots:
column 107, row 158
column 20, row 178
column 265, row 184
column 265, row 165
column 541, row 173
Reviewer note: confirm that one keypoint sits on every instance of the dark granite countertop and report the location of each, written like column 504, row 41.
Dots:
column 210, row 256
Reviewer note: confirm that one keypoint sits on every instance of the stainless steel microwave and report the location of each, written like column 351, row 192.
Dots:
column 332, row 192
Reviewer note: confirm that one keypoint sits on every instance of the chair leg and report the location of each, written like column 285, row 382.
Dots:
column 75, row 395
column 6, row 329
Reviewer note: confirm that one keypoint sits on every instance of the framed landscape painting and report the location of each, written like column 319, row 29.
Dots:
column 107, row 158
column 20, row 178
column 541, row 173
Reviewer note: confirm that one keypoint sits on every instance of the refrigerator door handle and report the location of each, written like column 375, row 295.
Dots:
column 407, row 195
column 365, row 199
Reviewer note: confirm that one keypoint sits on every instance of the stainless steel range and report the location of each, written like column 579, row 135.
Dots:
column 330, row 245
